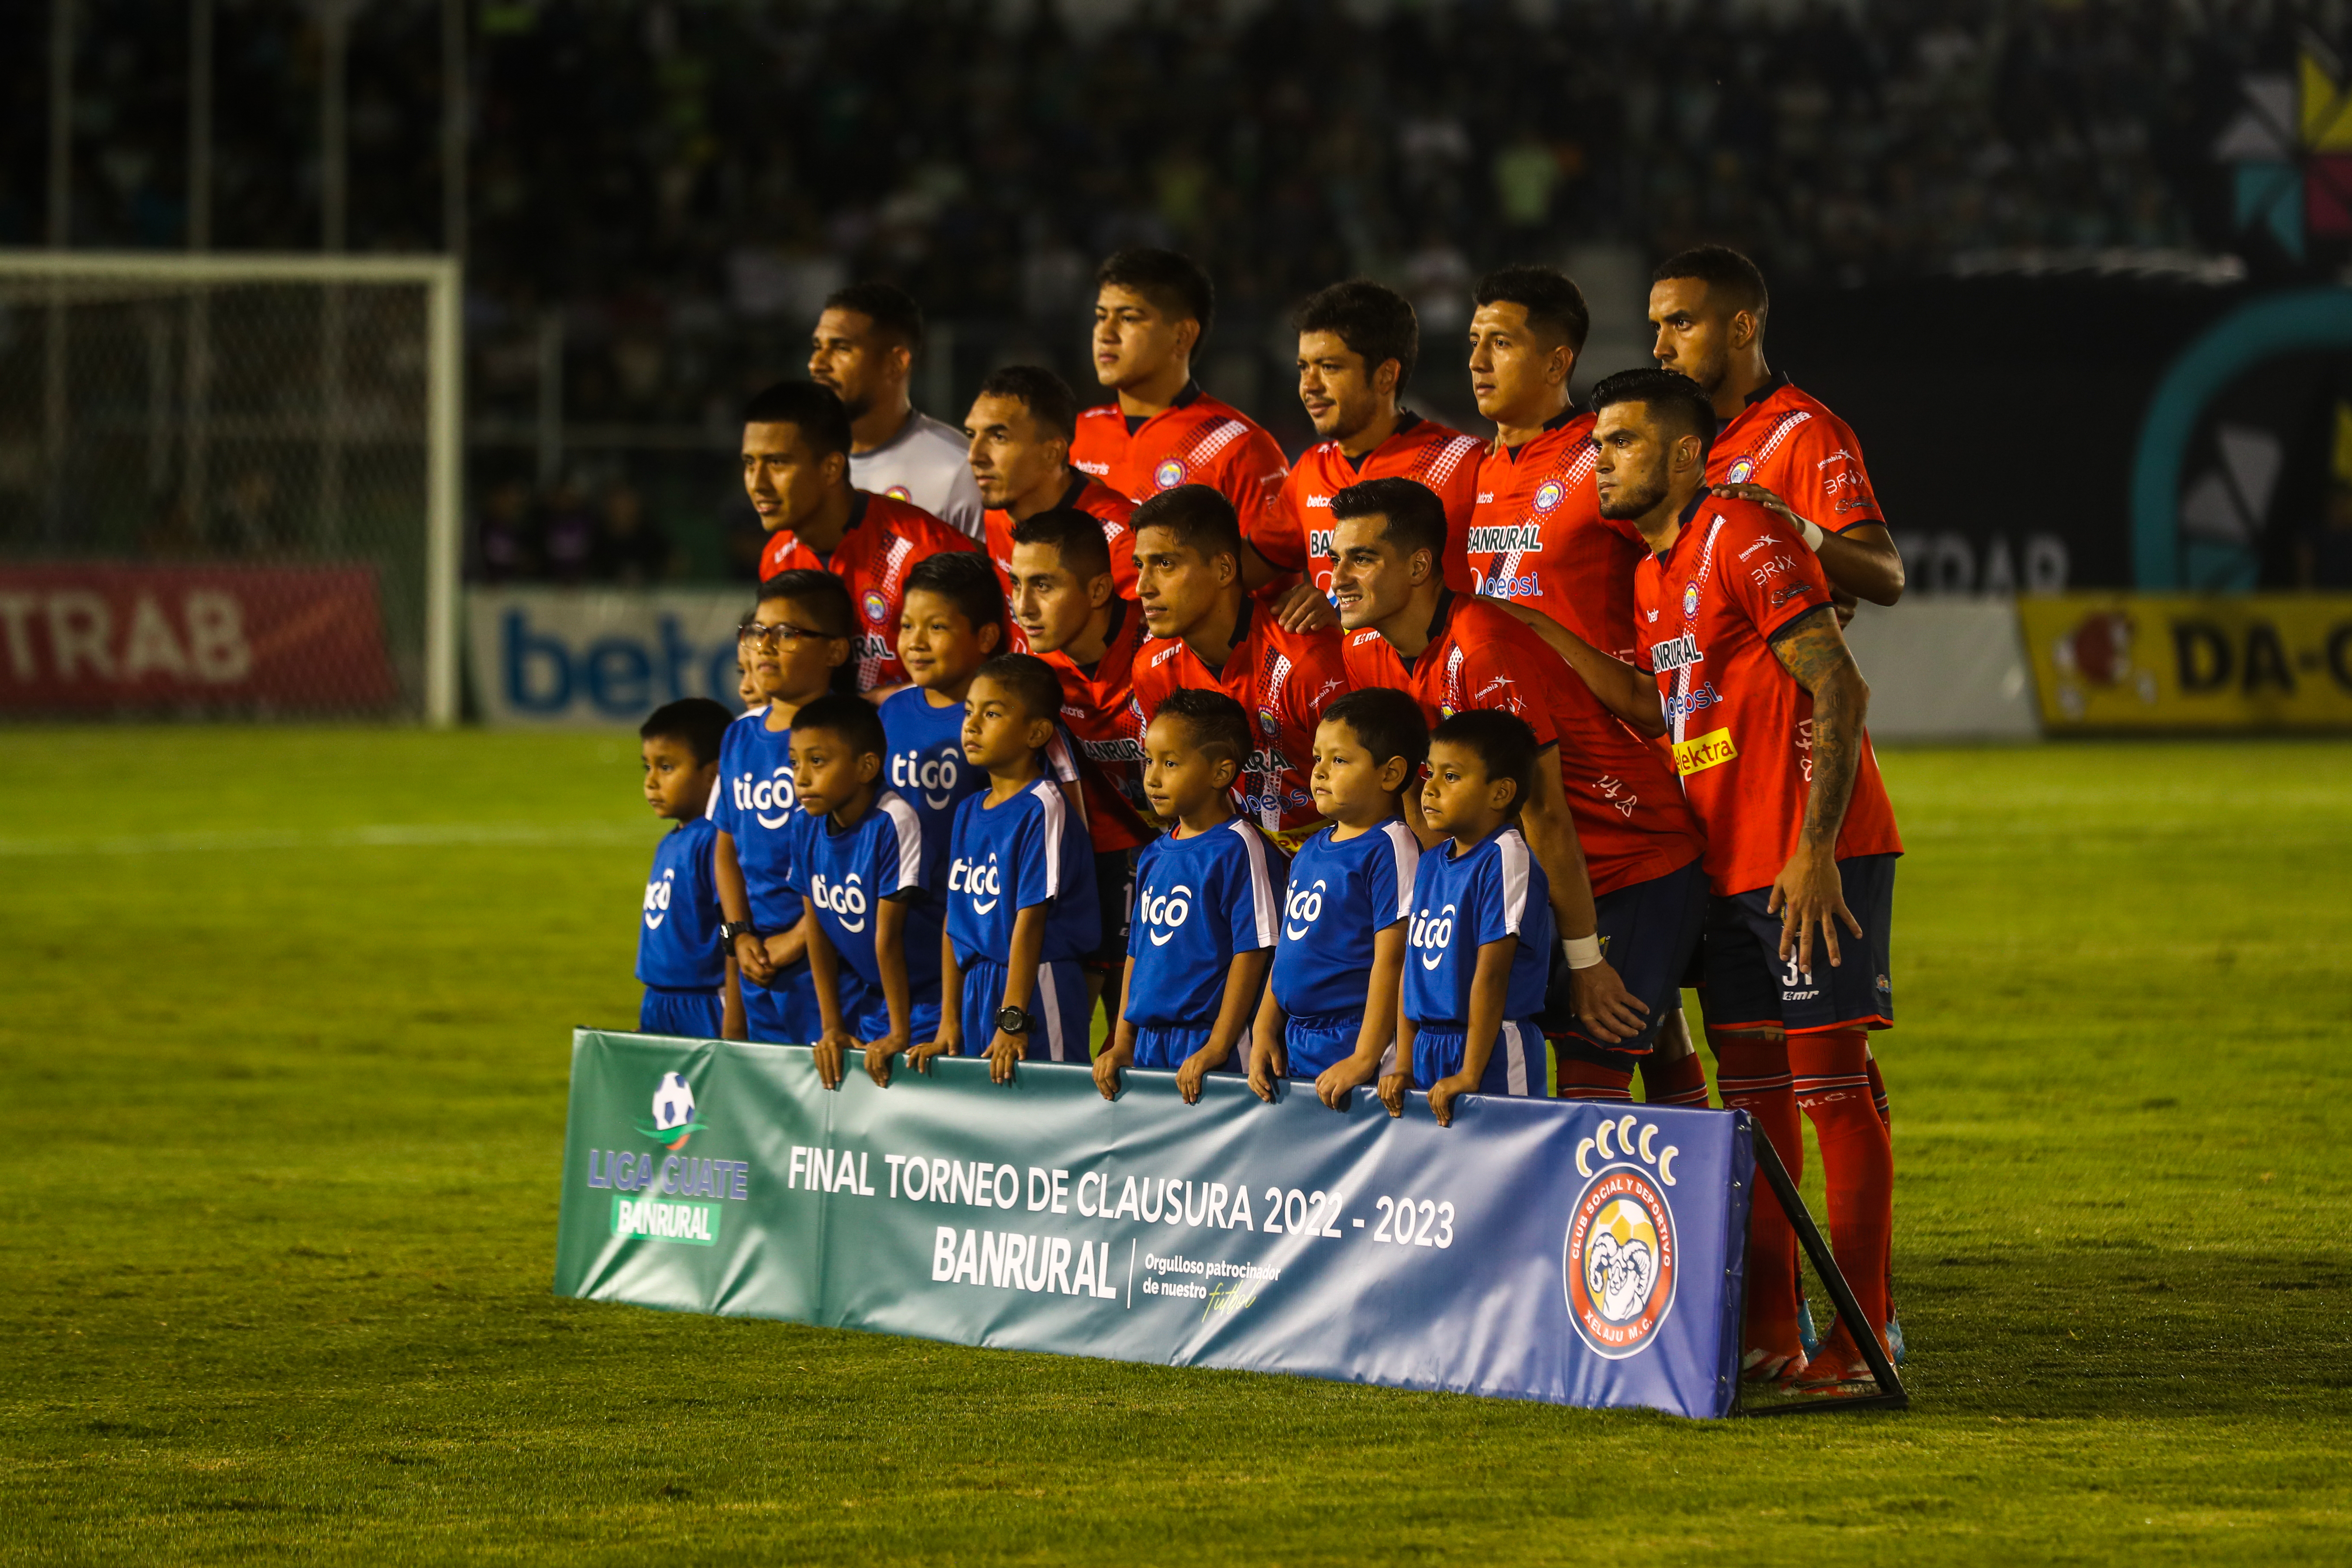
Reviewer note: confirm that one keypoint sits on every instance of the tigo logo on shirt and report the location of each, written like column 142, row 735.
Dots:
column 761, row 797
column 1305, row 906
column 657, row 900
column 980, row 882
column 846, row 898
column 936, row 779
column 1432, row 935
column 1166, row 912
column 1704, row 752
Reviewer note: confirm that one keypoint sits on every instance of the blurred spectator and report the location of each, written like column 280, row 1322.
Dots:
column 631, row 548
column 509, row 542
column 568, row 534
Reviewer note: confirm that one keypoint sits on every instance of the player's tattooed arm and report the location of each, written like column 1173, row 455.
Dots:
column 1628, row 692
column 1808, row 894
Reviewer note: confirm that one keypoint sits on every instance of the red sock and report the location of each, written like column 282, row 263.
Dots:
column 1590, row 1080
column 1877, row 1088
column 1752, row 1072
column 1857, row 1168
column 1682, row 1081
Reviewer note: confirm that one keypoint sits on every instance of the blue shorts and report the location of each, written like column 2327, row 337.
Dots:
column 1316, row 1041
column 692, row 1014
column 1648, row 932
column 865, row 1012
column 1058, row 1011
column 1747, row 986
column 784, row 1012
column 1516, row 1065
column 1163, row 1047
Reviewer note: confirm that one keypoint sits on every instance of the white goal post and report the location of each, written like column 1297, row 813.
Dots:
column 266, row 415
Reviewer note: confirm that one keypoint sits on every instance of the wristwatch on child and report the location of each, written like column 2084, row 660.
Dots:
column 1012, row 1020
column 730, row 930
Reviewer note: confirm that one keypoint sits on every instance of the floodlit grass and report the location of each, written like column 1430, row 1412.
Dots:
column 284, row 1039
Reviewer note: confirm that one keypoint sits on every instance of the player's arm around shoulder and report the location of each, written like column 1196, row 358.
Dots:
column 1628, row 691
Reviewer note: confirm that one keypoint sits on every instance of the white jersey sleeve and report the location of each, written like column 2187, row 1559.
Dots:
column 927, row 462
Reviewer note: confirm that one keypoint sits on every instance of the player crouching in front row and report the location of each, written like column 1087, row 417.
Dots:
column 1202, row 936
column 1481, row 939
column 863, row 872
column 1020, row 888
column 1330, row 1011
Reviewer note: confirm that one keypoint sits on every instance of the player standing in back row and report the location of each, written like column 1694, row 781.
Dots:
column 863, row 351
column 1766, row 710
column 1021, row 428
column 1358, row 343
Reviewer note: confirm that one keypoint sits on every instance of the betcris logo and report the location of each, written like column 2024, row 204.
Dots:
column 769, row 800
column 934, row 779
column 1165, row 912
column 844, row 899
column 553, row 657
column 980, row 882
column 1302, row 910
column 1433, row 935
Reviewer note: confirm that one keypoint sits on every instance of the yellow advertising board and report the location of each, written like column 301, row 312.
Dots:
column 2139, row 662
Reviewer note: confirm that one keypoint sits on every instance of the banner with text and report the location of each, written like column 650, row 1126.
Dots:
column 1565, row 1251
column 96, row 636
column 565, row 657
column 2143, row 661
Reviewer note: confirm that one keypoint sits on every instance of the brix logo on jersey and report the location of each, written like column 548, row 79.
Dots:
column 1618, row 1261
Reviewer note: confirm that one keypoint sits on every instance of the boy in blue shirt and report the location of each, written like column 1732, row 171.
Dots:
column 797, row 637
column 1479, row 947
column 1021, row 908
column 863, row 871
column 951, row 623
column 1330, row 1011
column 682, row 964
column 1206, row 902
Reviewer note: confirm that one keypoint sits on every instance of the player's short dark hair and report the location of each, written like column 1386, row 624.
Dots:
column 1172, row 281
column 696, row 721
column 852, row 719
column 891, row 309
column 1373, row 320
column 1672, row 398
column 821, row 596
column 965, row 579
column 1200, row 517
column 1213, row 723
column 813, row 410
column 1416, row 518
column 1389, row 723
column 1077, row 535
column 1725, row 272
column 1501, row 742
column 1553, row 302
column 1047, row 396
column 1030, row 679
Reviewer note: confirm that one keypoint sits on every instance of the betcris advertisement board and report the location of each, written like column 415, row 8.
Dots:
column 581, row 658
column 1556, row 1250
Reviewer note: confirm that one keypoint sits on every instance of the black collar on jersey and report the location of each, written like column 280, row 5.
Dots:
column 1557, row 422
column 1184, row 399
column 1780, row 379
column 1683, row 531
column 858, row 499
column 1406, row 420
column 1070, row 500
column 1241, row 630
column 1437, row 621
column 1110, row 636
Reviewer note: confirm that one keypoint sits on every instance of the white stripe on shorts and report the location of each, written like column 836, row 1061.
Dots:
column 1051, row 998
column 1514, row 1042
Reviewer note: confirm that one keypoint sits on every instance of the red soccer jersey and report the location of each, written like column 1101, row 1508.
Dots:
column 1538, row 537
column 1787, row 441
column 1282, row 680
column 885, row 539
column 1295, row 531
column 1090, row 496
column 1630, row 817
column 1741, row 726
column 1199, row 441
column 1099, row 710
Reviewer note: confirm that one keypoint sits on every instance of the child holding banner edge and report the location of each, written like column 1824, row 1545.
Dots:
column 1330, row 1011
column 1202, row 934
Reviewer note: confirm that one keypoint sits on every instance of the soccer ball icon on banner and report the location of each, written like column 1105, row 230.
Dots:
column 673, row 1109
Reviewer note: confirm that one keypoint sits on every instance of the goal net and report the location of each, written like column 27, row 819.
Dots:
column 228, row 485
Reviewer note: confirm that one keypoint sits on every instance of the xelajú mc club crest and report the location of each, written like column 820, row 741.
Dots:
column 1169, row 474
column 1618, row 1266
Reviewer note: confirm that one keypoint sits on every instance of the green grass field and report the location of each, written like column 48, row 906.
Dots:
column 285, row 1040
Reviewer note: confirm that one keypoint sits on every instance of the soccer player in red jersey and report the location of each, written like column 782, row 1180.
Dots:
column 1020, row 430
column 1776, row 446
column 1606, row 820
column 1766, row 710
column 796, row 472
column 1357, row 346
column 1537, row 538
column 1066, row 608
column 1207, row 632
column 1152, row 309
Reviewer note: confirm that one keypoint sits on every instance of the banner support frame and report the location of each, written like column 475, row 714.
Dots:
column 1892, row 1395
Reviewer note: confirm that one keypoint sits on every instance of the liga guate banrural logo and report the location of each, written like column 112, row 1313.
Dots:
column 1619, row 1260
column 672, row 1122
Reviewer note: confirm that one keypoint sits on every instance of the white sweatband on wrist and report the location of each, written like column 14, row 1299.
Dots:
column 1583, row 952
column 1810, row 532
